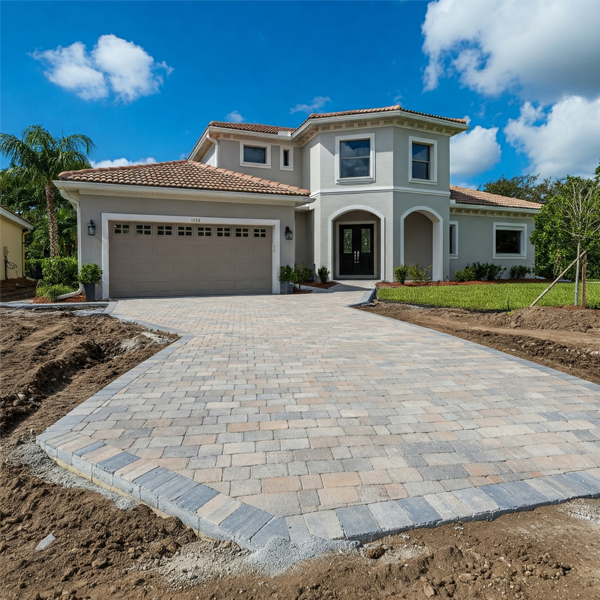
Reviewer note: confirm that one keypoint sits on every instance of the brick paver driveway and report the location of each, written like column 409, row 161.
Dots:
column 329, row 421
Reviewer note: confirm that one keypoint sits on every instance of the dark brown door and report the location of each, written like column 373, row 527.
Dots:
column 356, row 248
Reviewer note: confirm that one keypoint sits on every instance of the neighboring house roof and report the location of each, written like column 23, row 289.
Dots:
column 256, row 127
column 11, row 216
column 184, row 174
column 467, row 196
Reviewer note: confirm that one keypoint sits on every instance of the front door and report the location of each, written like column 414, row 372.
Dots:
column 357, row 256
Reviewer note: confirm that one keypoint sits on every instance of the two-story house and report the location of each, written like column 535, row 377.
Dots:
column 359, row 191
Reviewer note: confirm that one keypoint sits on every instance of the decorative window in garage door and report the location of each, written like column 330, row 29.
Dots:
column 143, row 229
column 164, row 229
column 121, row 228
column 260, row 233
column 223, row 231
column 205, row 231
column 241, row 232
column 184, row 230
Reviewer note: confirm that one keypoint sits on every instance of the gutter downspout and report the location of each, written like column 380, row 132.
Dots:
column 215, row 141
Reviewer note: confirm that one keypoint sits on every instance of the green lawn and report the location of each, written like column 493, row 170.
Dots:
column 489, row 297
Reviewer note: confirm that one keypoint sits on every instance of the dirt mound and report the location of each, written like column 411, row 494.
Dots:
column 42, row 354
column 17, row 289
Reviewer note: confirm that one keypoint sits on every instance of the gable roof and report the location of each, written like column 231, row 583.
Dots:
column 14, row 217
column 183, row 174
column 467, row 196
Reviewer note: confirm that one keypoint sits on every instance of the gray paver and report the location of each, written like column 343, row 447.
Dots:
column 421, row 513
column 246, row 521
column 358, row 522
column 390, row 516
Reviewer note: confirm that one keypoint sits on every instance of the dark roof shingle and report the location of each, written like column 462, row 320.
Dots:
column 184, row 174
column 476, row 197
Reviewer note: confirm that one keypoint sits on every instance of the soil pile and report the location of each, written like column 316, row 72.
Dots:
column 17, row 289
column 564, row 339
column 43, row 355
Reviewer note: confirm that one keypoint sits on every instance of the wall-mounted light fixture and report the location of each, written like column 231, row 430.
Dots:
column 91, row 228
column 289, row 234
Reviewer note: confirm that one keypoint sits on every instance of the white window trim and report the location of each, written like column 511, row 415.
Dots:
column 290, row 167
column 433, row 162
column 274, row 223
column 351, row 180
column 267, row 147
column 522, row 227
column 455, row 253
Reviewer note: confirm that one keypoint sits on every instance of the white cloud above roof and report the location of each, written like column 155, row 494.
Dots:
column 235, row 117
column 121, row 162
column 542, row 49
column 114, row 65
column 474, row 151
column 561, row 140
column 314, row 105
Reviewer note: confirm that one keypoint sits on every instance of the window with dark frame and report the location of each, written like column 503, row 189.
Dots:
column 184, row 230
column 241, row 232
column 205, row 231
column 355, row 158
column 143, row 229
column 421, row 161
column 121, row 228
column 164, row 230
column 260, row 233
column 508, row 241
column 255, row 154
column 223, row 231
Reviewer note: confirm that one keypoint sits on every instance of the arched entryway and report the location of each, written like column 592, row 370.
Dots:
column 421, row 237
column 356, row 243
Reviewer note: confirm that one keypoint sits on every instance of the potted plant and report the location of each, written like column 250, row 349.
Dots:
column 89, row 276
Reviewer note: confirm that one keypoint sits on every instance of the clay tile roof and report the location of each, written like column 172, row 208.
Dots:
column 184, row 174
column 377, row 110
column 466, row 196
column 250, row 127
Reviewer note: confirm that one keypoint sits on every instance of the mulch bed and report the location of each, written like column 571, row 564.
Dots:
column 325, row 286
column 393, row 284
column 71, row 300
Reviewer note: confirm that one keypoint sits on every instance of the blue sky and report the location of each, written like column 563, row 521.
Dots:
column 143, row 79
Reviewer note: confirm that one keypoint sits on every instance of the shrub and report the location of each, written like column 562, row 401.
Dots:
column 90, row 273
column 52, row 292
column 467, row 274
column 60, row 271
column 32, row 264
column 301, row 275
column 519, row 271
column 323, row 274
column 494, row 271
column 480, row 270
column 286, row 274
column 400, row 273
column 419, row 274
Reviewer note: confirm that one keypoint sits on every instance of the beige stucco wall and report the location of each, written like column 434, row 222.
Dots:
column 11, row 236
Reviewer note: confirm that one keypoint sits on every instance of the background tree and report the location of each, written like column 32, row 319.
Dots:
column 525, row 187
column 36, row 159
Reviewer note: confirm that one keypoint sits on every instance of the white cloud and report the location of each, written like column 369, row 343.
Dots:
column 235, row 117
column 474, row 151
column 72, row 69
column 314, row 106
column 543, row 49
column 564, row 139
column 114, row 63
column 121, row 162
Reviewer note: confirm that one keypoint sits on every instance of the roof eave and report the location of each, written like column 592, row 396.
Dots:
column 460, row 127
column 113, row 189
column 484, row 207
column 11, row 216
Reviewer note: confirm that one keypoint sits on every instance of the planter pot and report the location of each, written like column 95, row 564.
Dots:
column 90, row 291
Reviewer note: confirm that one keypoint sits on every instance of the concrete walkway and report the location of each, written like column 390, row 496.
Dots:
column 297, row 415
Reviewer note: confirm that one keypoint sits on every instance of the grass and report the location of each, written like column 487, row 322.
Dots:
column 506, row 296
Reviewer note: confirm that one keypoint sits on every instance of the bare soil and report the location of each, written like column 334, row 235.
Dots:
column 102, row 552
column 17, row 289
column 566, row 339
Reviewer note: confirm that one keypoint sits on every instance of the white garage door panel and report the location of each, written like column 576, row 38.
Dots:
column 170, row 265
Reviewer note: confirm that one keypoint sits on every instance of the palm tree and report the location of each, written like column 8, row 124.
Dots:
column 38, row 158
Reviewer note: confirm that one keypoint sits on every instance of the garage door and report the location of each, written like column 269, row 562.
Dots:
column 168, row 259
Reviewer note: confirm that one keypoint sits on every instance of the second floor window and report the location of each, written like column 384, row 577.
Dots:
column 421, row 161
column 255, row 154
column 355, row 158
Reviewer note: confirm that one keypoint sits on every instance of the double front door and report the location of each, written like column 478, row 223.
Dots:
column 356, row 250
